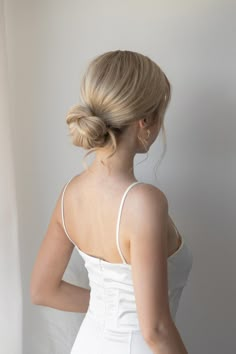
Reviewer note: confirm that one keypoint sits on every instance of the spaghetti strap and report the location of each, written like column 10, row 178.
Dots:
column 118, row 220
column 62, row 212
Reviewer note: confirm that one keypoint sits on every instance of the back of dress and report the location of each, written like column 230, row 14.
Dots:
column 111, row 324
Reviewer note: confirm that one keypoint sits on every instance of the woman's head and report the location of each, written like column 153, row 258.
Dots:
column 118, row 89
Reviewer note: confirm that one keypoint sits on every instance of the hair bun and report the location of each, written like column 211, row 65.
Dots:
column 86, row 130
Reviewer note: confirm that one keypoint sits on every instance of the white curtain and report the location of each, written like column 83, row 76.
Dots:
column 10, row 280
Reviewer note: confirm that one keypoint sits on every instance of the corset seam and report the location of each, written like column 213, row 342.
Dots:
column 117, row 307
column 130, row 340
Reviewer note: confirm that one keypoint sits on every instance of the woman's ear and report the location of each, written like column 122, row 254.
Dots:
column 142, row 122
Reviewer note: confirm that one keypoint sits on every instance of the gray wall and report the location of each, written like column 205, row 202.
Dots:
column 49, row 46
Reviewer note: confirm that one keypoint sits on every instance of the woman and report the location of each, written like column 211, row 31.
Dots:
column 137, row 262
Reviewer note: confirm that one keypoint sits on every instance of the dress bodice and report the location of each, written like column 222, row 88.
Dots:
column 112, row 293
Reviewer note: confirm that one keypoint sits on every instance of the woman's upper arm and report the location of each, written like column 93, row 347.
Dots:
column 53, row 256
column 148, row 251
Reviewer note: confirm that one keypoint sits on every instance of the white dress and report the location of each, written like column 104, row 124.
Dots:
column 111, row 324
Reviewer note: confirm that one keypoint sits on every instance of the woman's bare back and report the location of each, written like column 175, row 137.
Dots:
column 91, row 207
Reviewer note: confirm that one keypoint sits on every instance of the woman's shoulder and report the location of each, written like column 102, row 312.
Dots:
column 146, row 205
column 149, row 193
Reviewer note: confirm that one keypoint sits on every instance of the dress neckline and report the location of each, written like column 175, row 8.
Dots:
column 173, row 255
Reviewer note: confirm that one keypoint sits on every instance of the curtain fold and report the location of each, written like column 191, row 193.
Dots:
column 10, row 279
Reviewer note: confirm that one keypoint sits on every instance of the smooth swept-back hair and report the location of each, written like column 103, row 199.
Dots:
column 118, row 88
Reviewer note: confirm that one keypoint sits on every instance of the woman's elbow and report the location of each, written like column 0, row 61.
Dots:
column 153, row 334
column 37, row 296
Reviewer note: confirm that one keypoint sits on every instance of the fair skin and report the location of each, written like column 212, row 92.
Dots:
column 147, row 238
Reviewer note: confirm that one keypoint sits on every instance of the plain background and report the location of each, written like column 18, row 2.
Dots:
column 49, row 45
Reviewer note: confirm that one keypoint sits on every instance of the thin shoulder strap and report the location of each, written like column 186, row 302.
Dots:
column 62, row 211
column 118, row 220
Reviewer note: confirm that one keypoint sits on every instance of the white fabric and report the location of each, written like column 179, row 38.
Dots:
column 10, row 282
column 111, row 324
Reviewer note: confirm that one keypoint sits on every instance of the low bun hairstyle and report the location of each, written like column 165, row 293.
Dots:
column 118, row 88
column 86, row 130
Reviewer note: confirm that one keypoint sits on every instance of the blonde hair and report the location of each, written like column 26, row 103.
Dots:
column 118, row 88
